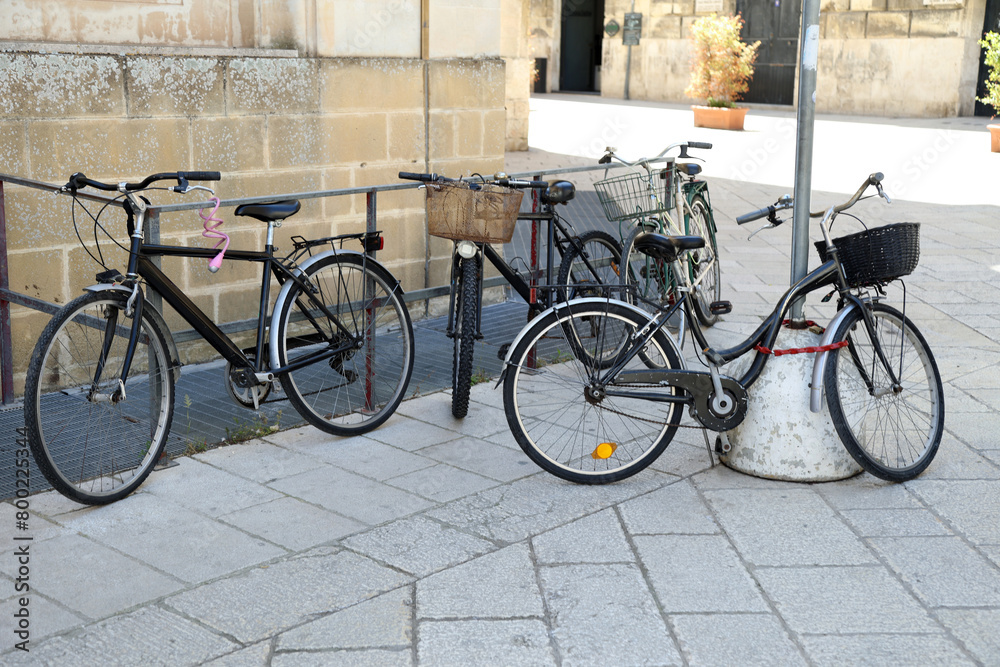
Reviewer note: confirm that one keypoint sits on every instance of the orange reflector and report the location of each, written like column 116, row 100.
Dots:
column 604, row 450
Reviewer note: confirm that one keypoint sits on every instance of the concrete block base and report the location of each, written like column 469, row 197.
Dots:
column 780, row 438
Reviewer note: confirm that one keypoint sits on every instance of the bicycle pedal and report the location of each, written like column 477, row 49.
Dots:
column 721, row 307
column 502, row 352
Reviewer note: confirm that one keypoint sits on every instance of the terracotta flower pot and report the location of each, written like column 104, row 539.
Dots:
column 994, row 137
column 719, row 118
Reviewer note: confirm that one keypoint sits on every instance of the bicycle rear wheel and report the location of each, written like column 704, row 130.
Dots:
column 466, row 297
column 94, row 440
column 703, row 264
column 652, row 283
column 561, row 415
column 357, row 389
column 892, row 432
column 592, row 267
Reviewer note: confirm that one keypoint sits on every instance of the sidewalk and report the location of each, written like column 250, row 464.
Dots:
column 434, row 541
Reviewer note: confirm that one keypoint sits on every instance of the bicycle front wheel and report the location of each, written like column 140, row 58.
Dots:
column 561, row 414
column 353, row 306
column 466, row 296
column 893, row 432
column 703, row 264
column 94, row 438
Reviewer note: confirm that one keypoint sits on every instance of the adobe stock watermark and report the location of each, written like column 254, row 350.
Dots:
column 377, row 23
column 609, row 134
column 916, row 166
column 758, row 156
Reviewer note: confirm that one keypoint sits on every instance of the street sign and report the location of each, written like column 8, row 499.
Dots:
column 632, row 29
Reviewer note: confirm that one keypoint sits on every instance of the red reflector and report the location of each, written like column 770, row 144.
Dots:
column 534, row 298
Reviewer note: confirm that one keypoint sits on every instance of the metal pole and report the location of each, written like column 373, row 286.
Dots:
column 805, row 118
column 6, row 345
column 628, row 59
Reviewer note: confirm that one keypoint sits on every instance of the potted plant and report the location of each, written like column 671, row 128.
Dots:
column 721, row 69
column 991, row 42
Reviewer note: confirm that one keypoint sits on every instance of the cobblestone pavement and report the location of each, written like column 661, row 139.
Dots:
column 434, row 541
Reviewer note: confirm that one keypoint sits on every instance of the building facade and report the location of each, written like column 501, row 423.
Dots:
column 917, row 58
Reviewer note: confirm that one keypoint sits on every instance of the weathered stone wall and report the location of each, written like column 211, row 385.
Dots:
column 881, row 57
column 515, row 51
column 270, row 125
column 899, row 57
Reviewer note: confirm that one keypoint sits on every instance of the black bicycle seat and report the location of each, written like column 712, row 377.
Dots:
column 666, row 248
column 690, row 168
column 558, row 192
column 267, row 212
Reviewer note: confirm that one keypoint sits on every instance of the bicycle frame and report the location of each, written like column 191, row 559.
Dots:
column 141, row 265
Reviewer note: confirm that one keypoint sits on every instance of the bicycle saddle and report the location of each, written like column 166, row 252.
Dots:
column 690, row 168
column 278, row 210
column 666, row 248
column 558, row 192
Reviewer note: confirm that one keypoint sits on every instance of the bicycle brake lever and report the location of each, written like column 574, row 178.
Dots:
column 190, row 188
column 773, row 221
column 882, row 194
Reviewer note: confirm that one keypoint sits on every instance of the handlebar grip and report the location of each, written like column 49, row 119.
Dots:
column 412, row 176
column 756, row 215
column 200, row 175
column 604, row 159
column 78, row 180
column 699, row 144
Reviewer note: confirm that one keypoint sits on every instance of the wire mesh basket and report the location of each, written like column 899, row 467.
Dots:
column 877, row 255
column 479, row 212
column 628, row 197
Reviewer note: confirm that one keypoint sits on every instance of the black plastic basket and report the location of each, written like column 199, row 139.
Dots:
column 877, row 255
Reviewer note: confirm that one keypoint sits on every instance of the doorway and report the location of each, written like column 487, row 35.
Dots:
column 776, row 24
column 990, row 24
column 580, row 46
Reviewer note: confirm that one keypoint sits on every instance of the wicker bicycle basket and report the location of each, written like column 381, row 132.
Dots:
column 877, row 255
column 486, row 214
column 628, row 197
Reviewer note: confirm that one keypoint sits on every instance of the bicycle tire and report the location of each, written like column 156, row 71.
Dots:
column 91, row 448
column 894, row 435
column 465, row 335
column 594, row 260
column 651, row 283
column 579, row 439
column 703, row 263
column 357, row 390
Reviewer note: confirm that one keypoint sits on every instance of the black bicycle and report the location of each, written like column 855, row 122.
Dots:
column 478, row 212
column 99, row 393
column 594, row 423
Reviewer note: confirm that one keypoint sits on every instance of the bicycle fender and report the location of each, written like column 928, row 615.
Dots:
column 819, row 364
column 287, row 287
column 155, row 315
column 582, row 301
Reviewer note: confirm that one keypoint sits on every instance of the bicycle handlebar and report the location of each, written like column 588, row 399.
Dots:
column 506, row 182
column 609, row 153
column 79, row 180
column 873, row 179
column 767, row 211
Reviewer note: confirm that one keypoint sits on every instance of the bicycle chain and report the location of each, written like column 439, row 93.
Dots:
column 644, row 419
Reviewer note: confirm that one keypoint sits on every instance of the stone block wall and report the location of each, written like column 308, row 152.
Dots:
column 899, row 57
column 270, row 125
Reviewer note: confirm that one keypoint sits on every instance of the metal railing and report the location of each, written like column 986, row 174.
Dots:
column 152, row 231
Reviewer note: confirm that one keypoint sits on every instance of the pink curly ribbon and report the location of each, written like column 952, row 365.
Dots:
column 212, row 232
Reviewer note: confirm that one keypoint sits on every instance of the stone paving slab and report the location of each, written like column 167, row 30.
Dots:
column 434, row 541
